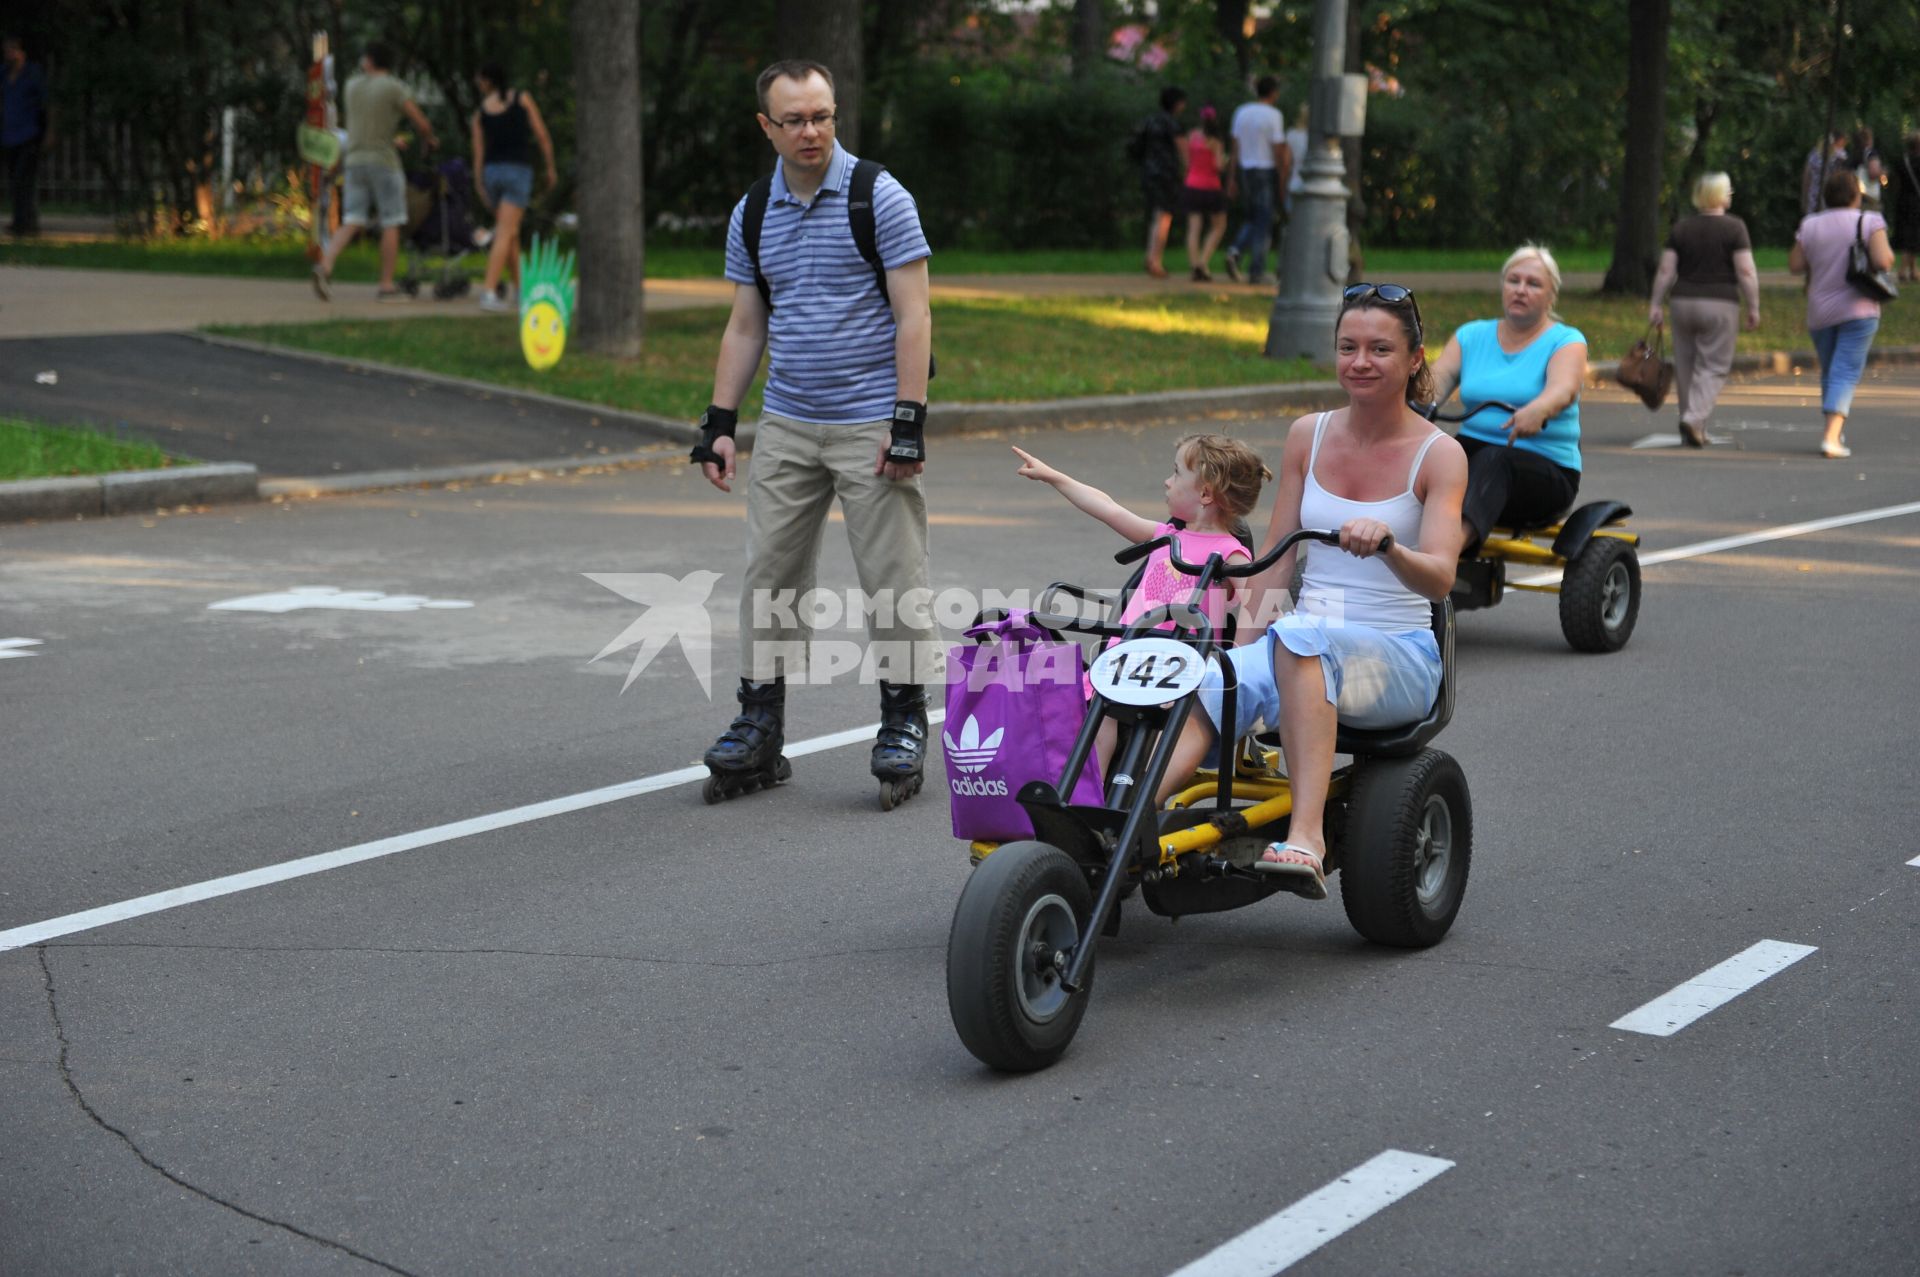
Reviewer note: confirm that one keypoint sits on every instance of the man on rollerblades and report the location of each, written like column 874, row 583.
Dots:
column 830, row 268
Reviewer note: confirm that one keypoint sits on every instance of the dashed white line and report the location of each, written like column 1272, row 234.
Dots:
column 1680, row 1006
column 88, row 919
column 1319, row 1217
column 1780, row 533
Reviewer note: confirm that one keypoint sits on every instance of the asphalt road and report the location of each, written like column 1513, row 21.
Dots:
column 652, row 1036
column 290, row 417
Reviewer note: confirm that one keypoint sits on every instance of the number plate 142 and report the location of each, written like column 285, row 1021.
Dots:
column 1147, row 671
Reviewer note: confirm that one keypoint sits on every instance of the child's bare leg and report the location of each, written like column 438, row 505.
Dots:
column 1189, row 751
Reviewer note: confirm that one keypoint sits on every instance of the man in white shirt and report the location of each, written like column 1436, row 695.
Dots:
column 1262, row 165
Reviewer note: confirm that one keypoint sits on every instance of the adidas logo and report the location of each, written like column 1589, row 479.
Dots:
column 971, row 754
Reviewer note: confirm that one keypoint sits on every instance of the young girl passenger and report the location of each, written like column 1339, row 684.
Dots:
column 1214, row 485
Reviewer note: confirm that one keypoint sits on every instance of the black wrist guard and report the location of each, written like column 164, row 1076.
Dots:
column 715, row 423
column 909, row 429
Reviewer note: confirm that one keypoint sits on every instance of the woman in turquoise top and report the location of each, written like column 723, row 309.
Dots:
column 1523, row 469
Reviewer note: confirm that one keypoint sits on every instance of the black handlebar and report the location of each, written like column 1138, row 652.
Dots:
column 1134, row 553
column 1431, row 411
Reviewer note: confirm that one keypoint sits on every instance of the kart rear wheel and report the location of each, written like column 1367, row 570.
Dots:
column 1600, row 596
column 1024, row 912
column 1406, row 849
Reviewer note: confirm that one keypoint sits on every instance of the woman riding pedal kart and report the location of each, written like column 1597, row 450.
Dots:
column 1359, row 647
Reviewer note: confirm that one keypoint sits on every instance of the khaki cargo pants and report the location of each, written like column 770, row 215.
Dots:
column 796, row 470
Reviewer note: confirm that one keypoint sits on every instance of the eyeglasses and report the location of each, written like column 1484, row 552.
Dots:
column 798, row 123
column 1391, row 294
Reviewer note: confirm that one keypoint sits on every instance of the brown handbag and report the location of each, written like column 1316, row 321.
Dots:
column 1645, row 370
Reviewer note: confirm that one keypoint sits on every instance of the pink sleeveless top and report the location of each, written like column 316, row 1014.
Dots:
column 1203, row 170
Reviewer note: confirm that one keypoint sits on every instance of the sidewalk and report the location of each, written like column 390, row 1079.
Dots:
column 40, row 301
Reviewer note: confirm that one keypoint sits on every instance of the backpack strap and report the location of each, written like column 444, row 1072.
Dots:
column 752, row 218
column 861, row 221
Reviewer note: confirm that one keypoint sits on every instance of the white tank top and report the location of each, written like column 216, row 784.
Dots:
column 1339, row 586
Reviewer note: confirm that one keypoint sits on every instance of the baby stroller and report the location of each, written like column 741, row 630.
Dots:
column 439, row 232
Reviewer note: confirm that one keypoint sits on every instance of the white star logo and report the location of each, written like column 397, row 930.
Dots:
column 13, row 648
column 676, row 609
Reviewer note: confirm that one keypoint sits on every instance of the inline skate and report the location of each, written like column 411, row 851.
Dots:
column 747, row 756
column 900, row 746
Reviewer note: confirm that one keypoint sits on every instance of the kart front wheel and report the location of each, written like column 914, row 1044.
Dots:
column 1600, row 596
column 1406, row 849
column 1022, row 916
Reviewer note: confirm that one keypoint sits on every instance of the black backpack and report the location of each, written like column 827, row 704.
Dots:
column 859, row 220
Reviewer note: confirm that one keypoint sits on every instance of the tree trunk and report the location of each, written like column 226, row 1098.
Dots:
column 1089, row 35
column 828, row 32
column 1636, row 235
column 612, row 243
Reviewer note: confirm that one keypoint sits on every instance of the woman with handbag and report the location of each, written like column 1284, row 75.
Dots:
column 1708, row 263
column 1841, row 315
column 1524, row 469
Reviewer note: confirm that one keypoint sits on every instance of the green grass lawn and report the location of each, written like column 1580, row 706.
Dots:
column 286, row 259
column 1010, row 349
column 32, row 450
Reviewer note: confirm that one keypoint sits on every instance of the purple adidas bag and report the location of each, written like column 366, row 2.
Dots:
column 1015, row 704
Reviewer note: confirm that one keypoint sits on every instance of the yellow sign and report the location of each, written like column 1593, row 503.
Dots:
column 547, row 292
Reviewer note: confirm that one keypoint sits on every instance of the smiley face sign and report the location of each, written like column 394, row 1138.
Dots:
column 547, row 291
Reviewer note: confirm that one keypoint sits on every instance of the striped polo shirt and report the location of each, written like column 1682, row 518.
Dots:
column 830, row 336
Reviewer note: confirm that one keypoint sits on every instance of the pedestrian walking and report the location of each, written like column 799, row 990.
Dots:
column 1205, row 194
column 1262, row 166
column 830, row 271
column 1906, row 207
column 506, row 128
column 1708, row 265
column 1830, row 154
column 1159, row 149
column 1840, row 318
column 26, row 121
column 1870, row 168
column 376, row 187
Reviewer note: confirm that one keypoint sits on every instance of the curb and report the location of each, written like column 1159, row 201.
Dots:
column 127, row 492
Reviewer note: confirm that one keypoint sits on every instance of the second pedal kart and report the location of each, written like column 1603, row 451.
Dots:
column 1597, row 558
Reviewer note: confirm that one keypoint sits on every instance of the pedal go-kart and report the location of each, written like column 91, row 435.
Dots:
column 1020, row 956
column 1599, row 585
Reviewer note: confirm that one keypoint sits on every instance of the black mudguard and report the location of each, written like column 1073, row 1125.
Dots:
column 1578, row 528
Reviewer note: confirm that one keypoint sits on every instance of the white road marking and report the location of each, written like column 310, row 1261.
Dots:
column 326, row 596
column 1780, row 533
column 1680, row 1006
column 1915, row 862
column 15, row 648
column 1319, row 1217
column 87, row 920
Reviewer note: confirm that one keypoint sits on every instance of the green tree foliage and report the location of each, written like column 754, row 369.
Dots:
column 1510, row 121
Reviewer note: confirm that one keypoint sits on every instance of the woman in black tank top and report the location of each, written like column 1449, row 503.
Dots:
column 506, row 129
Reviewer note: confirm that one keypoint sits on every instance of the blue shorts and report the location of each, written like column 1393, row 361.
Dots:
column 508, row 184
column 1374, row 678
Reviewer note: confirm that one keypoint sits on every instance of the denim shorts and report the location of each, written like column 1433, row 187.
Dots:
column 508, row 184
column 1374, row 678
column 375, row 190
